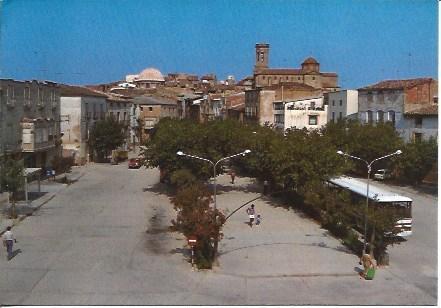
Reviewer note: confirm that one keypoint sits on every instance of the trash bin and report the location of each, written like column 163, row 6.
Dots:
column 370, row 274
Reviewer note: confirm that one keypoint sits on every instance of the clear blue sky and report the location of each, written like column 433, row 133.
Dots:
column 85, row 42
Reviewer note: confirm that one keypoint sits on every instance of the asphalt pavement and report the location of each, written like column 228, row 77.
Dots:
column 104, row 240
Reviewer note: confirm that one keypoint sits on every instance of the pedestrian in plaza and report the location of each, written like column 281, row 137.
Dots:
column 251, row 212
column 258, row 219
column 8, row 241
column 368, row 263
column 233, row 175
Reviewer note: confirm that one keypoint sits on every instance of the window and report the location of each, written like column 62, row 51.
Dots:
column 313, row 120
column 333, row 102
column 298, row 78
column 286, row 77
column 340, row 115
column 341, row 102
column 279, row 119
column 391, row 117
column 418, row 122
column 333, row 116
column 313, row 78
column 369, row 117
column 369, row 96
column 150, row 108
column 380, row 116
column 417, row 137
column 263, row 77
column 117, row 116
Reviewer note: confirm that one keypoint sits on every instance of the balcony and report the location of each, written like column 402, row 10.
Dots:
column 37, row 135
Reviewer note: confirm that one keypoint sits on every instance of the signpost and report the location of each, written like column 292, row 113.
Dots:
column 192, row 240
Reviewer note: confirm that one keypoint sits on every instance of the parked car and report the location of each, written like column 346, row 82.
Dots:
column 134, row 163
column 382, row 174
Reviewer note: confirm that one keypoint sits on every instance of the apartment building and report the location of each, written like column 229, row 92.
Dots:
column 80, row 109
column 30, row 121
column 342, row 104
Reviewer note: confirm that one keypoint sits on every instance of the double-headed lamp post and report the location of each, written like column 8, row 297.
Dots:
column 180, row 153
column 369, row 169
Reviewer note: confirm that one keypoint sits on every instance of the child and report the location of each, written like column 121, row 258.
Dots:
column 258, row 220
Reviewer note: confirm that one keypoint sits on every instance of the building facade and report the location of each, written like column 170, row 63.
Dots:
column 421, row 124
column 342, row 104
column 150, row 110
column 259, row 106
column 120, row 109
column 391, row 100
column 308, row 113
column 80, row 109
column 309, row 73
column 30, row 121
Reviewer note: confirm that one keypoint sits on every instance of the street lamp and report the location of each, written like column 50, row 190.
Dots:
column 369, row 169
column 180, row 153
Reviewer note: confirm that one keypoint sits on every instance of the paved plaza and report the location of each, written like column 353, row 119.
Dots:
column 104, row 240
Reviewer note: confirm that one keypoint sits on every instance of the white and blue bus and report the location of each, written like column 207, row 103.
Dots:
column 380, row 198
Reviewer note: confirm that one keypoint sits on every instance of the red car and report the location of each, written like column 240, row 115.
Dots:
column 134, row 163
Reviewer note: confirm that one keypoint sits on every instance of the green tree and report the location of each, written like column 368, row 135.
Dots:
column 417, row 160
column 12, row 179
column 196, row 218
column 105, row 136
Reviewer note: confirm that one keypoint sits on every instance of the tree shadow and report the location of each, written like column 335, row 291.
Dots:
column 319, row 244
column 249, row 188
column 160, row 189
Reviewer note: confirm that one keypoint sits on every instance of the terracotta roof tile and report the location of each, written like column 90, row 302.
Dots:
column 429, row 109
column 75, row 91
column 280, row 71
column 397, row 84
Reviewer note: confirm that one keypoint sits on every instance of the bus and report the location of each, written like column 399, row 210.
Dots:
column 379, row 198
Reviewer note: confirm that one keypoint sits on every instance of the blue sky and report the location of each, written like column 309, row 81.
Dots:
column 86, row 42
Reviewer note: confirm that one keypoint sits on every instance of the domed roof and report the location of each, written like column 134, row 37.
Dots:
column 310, row 60
column 150, row 74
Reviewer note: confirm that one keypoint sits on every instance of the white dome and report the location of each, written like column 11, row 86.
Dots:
column 150, row 74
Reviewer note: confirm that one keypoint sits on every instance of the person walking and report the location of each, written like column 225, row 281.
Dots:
column 251, row 212
column 8, row 241
column 233, row 175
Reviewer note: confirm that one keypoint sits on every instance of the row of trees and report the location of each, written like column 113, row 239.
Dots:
column 296, row 164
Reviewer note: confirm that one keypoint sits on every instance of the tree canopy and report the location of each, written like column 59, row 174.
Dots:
column 105, row 136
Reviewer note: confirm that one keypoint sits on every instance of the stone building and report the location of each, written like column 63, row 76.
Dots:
column 259, row 106
column 150, row 110
column 421, row 123
column 120, row 108
column 391, row 100
column 80, row 109
column 30, row 121
column 342, row 104
column 309, row 73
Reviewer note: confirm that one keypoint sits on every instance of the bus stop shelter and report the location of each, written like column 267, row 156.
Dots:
column 29, row 173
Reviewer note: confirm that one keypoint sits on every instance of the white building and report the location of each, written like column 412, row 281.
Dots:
column 309, row 113
column 342, row 104
column 80, row 109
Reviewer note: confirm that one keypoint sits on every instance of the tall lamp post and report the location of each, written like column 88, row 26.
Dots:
column 369, row 169
column 180, row 153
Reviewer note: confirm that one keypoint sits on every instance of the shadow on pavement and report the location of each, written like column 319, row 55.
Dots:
column 14, row 253
column 160, row 189
column 321, row 245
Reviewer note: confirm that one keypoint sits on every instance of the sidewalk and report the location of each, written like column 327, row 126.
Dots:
column 49, row 188
column 285, row 244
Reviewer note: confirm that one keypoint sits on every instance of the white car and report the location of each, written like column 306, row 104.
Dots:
column 382, row 174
